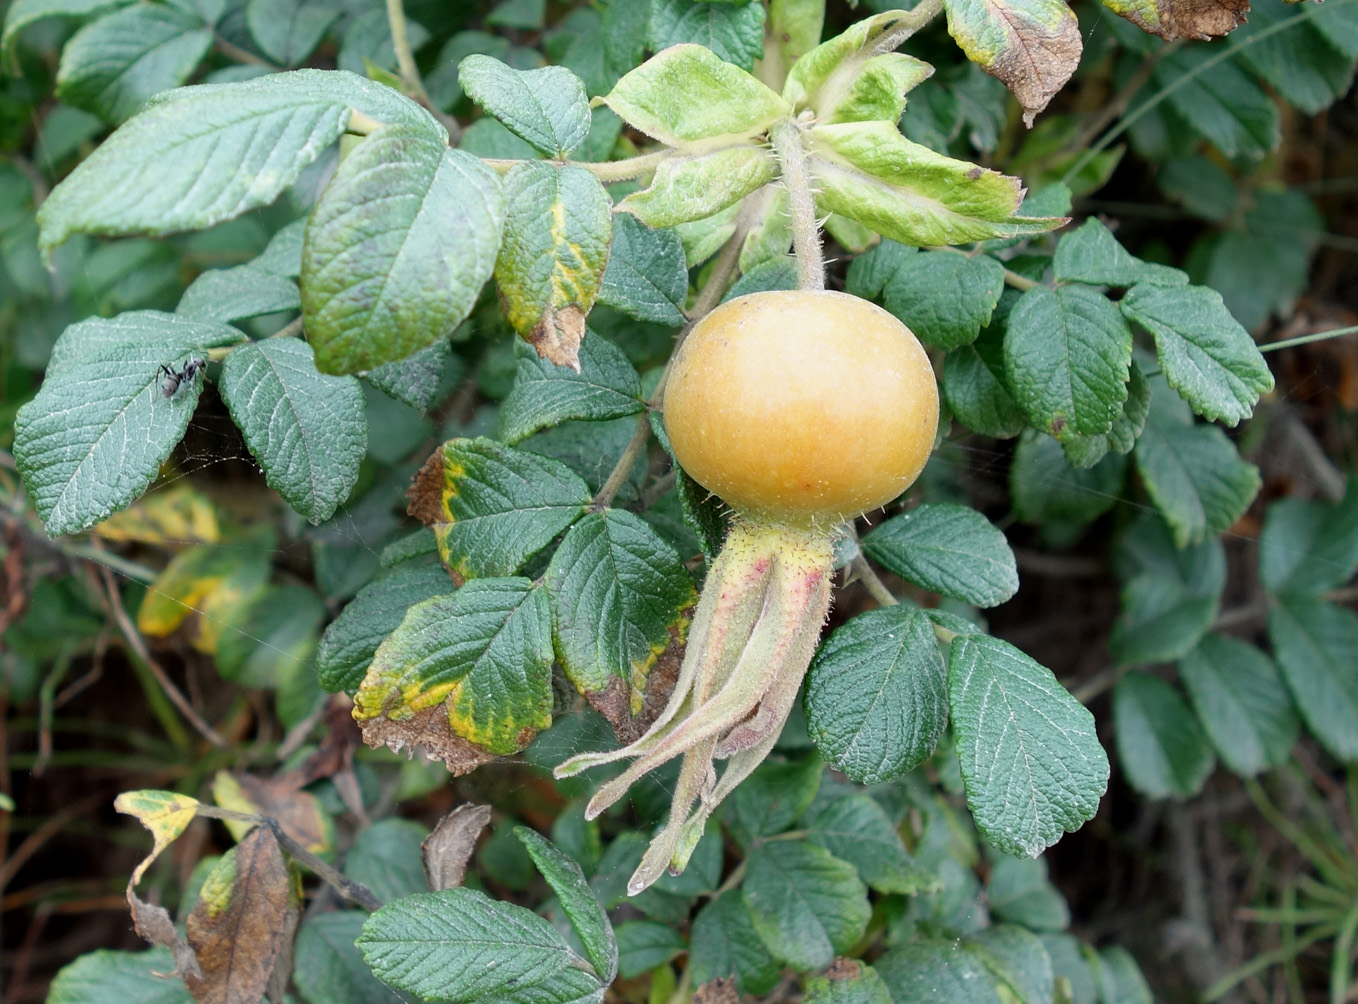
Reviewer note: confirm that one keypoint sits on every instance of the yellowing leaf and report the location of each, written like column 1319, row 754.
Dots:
column 1033, row 46
column 213, row 582
column 165, row 813
column 175, row 515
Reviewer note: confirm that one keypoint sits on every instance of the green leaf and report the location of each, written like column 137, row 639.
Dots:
column 1091, row 254
column 493, row 507
column 937, row 970
column 945, row 299
column 853, row 983
column 1192, row 472
column 647, row 275
column 1033, row 46
column 869, row 172
column 367, row 45
column 645, row 944
column 1336, row 23
column 283, row 254
column 119, row 976
column 975, row 387
column 287, row 31
column 734, row 32
column 694, row 187
column 461, row 947
column 619, row 595
column 1119, row 978
column 856, row 829
column 1314, row 643
column 544, row 394
column 702, row 512
column 1169, row 597
column 587, row 916
column 1242, row 703
column 1030, row 758
column 1047, row 489
column 112, row 65
column 272, row 639
column 546, row 107
column 397, row 249
column 386, row 858
column 1017, row 891
column 329, row 969
column 1018, row 960
column 482, row 654
column 1086, row 451
column 1160, row 743
column 725, row 943
column 779, row 273
column 557, row 234
column 1206, row 355
column 1068, row 353
column 1203, row 187
column 199, row 155
column 1309, row 546
column 351, row 640
column 22, row 13
column 1221, row 101
column 686, row 95
column 948, row 549
column 234, row 294
column 772, row 798
column 95, row 435
column 806, row 904
column 1294, row 58
column 415, row 380
column 306, row 430
column 875, row 700
column 1070, row 963
column 846, row 80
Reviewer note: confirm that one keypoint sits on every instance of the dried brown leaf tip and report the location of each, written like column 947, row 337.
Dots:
column 1171, row 19
column 447, row 850
column 428, row 730
column 719, row 991
column 558, row 335
column 242, row 918
column 1032, row 48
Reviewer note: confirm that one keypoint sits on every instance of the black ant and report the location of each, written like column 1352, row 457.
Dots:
column 172, row 379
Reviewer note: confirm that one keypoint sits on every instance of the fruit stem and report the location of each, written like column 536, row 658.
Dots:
column 787, row 144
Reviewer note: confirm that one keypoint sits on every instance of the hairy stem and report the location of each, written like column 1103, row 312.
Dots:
column 787, row 144
column 607, row 171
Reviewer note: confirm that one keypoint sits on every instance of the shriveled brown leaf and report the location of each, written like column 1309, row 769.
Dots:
column 558, row 335
column 153, row 923
column 1171, row 19
column 277, row 990
column 238, row 925
column 1032, row 46
column 428, row 730
column 447, row 850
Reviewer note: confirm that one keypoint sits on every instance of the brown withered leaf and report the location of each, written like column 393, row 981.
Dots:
column 298, row 812
column 426, row 729
column 1171, row 19
column 558, row 335
column 277, row 990
column 238, row 926
column 1032, row 46
column 719, row 991
column 153, row 923
column 447, row 850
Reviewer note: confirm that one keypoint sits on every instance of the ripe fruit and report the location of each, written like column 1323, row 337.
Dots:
column 802, row 407
column 801, row 410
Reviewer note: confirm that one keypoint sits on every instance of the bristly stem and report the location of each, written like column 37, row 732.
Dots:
column 923, row 12
column 787, row 144
column 410, row 73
